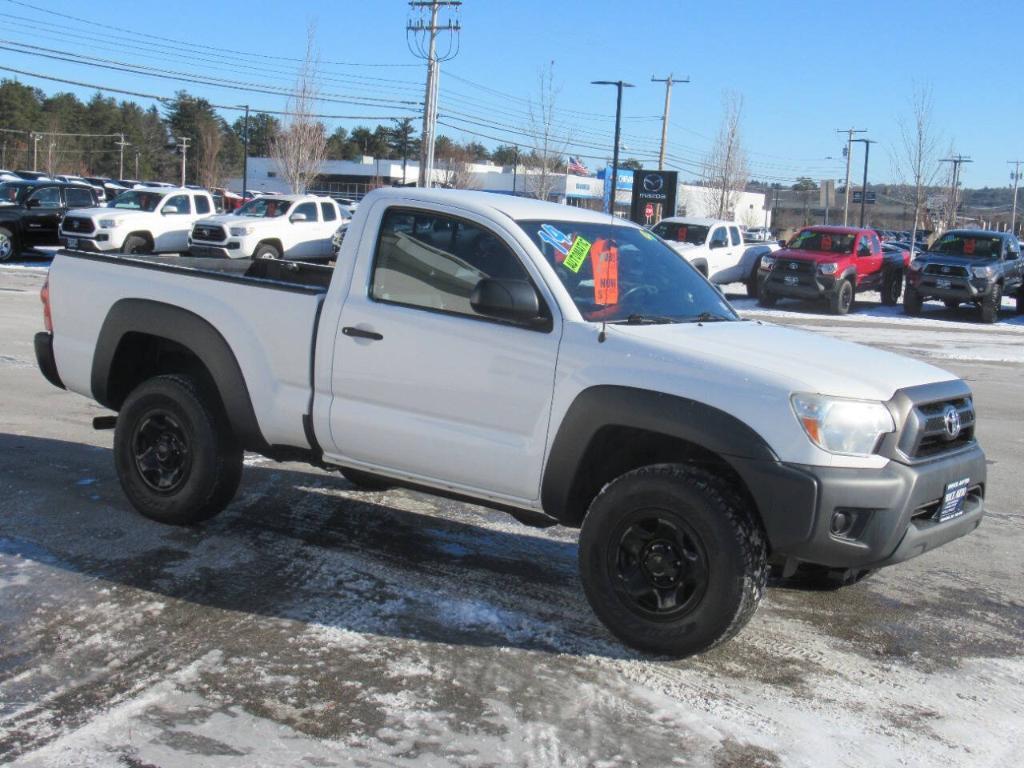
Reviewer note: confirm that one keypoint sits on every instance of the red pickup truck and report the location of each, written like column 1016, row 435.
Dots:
column 834, row 264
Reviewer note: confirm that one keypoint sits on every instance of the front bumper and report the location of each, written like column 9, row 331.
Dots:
column 956, row 288
column 45, row 359
column 815, row 286
column 98, row 243
column 894, row 508
column 230, row 249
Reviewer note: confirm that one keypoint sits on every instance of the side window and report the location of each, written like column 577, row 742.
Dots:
column 202, row 203
column 719, row 238
column 434, row 262
column 864, row 247
column 78, row 198
column 329, row 213
column 664, row 230
column 47, row 197
column 876, row 245
column 734, row 235
column 309, row 209
column 177, row 204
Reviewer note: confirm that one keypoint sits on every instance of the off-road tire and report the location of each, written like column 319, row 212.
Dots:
column 1020, row 301
column 752, row 282
column 135, row 244
column 911, row 302
column 266, row 251
column 892, row 287
column 733, row 547
column 366, row 481
column 990, row 304
column 9, row 248
column 840, row 301
column 213, row 469
column 766, row 298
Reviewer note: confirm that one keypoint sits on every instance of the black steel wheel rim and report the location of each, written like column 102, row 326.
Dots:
column 659, row 565
column 160, row 447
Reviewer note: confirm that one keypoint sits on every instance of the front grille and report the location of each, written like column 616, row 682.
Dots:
column 794, row 267
column 926, row 436
column 209, row 233
column 946, row 270
column 78, row 224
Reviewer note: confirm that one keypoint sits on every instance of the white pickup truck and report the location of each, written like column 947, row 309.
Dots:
column 278, row 227
column 539, row 359
column 716, row 248
column 141, row 220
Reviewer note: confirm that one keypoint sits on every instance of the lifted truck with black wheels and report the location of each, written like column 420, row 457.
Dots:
column 538, row 359
column 832, row 264
column 968, row 266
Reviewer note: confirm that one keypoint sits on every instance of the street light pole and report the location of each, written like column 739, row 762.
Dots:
column 864, row 186
column 619, row 84
column 1016, row 180
column 849, row 147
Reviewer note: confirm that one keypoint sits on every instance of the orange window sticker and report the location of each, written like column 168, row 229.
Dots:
column 605, row 262
column 969, row 246
column 826, row 242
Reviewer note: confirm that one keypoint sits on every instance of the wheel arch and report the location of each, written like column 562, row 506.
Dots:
column 141, row 338
column 274, row 241
column 145, row 235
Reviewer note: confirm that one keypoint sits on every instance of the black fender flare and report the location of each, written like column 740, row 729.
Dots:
column 850, row 273
column 785, row 497
column 191, row 331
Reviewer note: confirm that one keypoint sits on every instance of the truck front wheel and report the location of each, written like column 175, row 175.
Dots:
column 671, row 559
column 175, row 455
column 990, row 304
column 841, row 300
column 8, row 246
column 135, row 244
column 266, row 251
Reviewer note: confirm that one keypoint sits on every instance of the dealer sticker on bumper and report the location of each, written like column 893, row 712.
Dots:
column 953, row 500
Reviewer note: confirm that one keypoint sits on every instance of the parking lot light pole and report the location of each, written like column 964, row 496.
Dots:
column 619, row 84
column 245, row 152
column 864, row 186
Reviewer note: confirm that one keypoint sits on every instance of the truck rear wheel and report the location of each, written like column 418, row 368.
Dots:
column 912, row 302
column 175, row 455
column 892, row 287
column 135, row 244
column 8, row 246
column 671, row 559
column 990, row 304
column 752, row 286
column 841, row 300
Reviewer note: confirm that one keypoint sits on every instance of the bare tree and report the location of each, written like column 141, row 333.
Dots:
column 918, row 160
column 547, row 158
column 725, row 172
column 454, row 163
column 211, row 141
column 300, row 147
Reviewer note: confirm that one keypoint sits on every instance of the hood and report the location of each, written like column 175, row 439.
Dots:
column 107, row 213
column 815, row 256
column 230, row 219
column 954, row 261
column 800, row 361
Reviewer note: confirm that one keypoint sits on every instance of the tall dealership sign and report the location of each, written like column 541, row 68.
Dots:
column 651, row 190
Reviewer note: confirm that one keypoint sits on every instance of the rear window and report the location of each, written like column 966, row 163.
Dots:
column 202, row 204
column 79, row 198
column 328, row 210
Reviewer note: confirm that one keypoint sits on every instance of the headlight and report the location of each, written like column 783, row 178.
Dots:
column 846, row 427
column 109, row 223
column 828, row 268
column 916, row 265
column 241, row 231
column 983, row 273
column 767, row 262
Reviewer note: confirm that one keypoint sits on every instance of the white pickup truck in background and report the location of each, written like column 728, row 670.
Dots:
column 716, row 248
column 540, row 359
column 299, row 227
column 141, row 220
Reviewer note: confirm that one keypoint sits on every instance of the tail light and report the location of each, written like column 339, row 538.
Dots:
column 44, row 296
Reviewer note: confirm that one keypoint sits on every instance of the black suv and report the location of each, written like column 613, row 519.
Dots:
column 967, row 265
column 31, row 212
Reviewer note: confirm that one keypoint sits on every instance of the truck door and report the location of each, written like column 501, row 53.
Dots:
column 176, row 224
column 718, row 249
column 329, row 225
column 304, row 233
column 43, row 214
column 423, row 386
column 869, row 261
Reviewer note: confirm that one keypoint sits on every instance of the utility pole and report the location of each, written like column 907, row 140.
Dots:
column 35, row 150
column 619, row 84
column 183, row 142
column 121, row 144
column 864, row 187
column 849, row 149
column 1015, row 175
column 954, row 186
column 669, row 82
column 245, row 152
column 421, row 36
column 137, row 153
column 515, row 170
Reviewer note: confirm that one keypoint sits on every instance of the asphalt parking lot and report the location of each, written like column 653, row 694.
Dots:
column 312, row 624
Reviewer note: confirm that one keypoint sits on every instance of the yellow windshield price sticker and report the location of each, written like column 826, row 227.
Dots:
column 646, row 234
column 577, row 254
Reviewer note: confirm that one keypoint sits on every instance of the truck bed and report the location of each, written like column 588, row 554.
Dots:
column 265, row 310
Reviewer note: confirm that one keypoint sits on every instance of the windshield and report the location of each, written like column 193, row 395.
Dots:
column 968, row 245
column 134, row 200
column 11, row 193
column 624, row 274
column 264, row 208
column 694, row 234
column 828, row 242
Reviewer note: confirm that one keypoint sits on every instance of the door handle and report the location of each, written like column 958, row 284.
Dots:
column 359, row 333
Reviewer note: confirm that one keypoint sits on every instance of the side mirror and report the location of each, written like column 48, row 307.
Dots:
column 514, row 300
column 169, row 210
column 298, row 217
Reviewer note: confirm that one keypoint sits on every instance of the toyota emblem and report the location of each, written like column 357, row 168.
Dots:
column 793, row 265
column 945, row 270
column 951, row 418
column 653, row 183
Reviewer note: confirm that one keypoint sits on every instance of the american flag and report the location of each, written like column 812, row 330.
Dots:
column 577, row 167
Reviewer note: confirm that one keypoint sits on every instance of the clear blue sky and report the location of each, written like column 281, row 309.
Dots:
column 803, row 67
